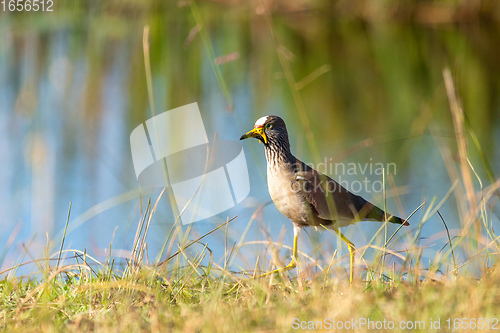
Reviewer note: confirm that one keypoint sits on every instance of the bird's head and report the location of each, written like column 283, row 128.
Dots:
column 270, row 130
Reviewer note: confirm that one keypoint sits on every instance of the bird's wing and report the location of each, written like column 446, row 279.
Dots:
column 332, row 201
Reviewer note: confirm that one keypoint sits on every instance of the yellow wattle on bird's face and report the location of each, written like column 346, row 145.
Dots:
column 258, row 132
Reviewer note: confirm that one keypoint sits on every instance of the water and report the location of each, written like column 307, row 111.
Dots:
column 73, row 88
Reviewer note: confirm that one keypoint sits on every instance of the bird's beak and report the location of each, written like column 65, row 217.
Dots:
column 257, row 132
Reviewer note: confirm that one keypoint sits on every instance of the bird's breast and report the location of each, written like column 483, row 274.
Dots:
column 289, row 202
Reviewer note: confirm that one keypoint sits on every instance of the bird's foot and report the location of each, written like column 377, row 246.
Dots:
column 288, row 267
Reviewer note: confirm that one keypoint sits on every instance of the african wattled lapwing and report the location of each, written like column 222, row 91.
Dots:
column 306, row 196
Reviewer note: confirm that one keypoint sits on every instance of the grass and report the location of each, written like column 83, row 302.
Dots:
column 191, row 292
column 88, row 295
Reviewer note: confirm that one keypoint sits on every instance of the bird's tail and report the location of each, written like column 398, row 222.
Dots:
column 398, row 220
column 379, row 215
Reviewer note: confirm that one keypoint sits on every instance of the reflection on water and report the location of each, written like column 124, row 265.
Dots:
column 351, row 91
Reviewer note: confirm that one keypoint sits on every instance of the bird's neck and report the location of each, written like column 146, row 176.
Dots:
column 279, row 154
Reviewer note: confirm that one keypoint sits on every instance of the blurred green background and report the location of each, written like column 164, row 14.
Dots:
column 356, row 81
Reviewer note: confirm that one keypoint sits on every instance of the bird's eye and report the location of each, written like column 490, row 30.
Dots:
column 269, row 126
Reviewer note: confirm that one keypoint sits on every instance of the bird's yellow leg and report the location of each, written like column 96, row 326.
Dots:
column 351, row 248
column 291, row 265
